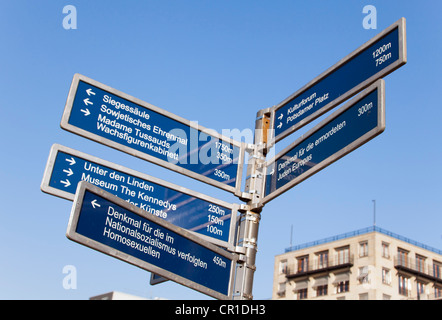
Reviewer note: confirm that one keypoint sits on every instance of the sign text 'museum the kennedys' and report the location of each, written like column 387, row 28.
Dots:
column 113, row 118
column 182, row 207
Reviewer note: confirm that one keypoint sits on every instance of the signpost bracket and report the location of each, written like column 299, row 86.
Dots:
column 241, row 251
column 245, row 196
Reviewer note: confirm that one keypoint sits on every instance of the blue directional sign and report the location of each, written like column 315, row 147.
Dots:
column 191, row 210
column 115, row 119
column 380, row 56
column 117, row 228
column 354, row 124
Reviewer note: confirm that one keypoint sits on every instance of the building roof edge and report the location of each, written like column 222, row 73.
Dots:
column 360, row 232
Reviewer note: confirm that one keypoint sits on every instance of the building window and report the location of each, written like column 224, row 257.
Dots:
column 343, row 255
column 402, row 256
column 302, row 294
column 342, row 282
column 301, row 288
column 404, row 285
column 420, row 263
column 363, row 275
column 363, row 296
column 386, row 250
column 322, row 259
column 437, row 292
column 363, row 249
column 437, row 269
column 281, row 289
column 342, row 286
column 283, row 267
column 302, row 264
column 386, row 297
column 321, row 290
column 386, row 276
column 321, row 286
column 420, row 286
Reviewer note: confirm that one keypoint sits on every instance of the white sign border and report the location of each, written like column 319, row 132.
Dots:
column 400, row 24
column 380, row 86
column 45, row 187
column 134, row 152
column 74, row 236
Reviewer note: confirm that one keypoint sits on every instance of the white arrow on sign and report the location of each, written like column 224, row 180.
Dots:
column 86, row 101
column 86, row 112
column 66, row 183
column 279, row 125
column 71, row 161
column 280, row 117
column 90, row 92
column 69, row 172
column 95, row 203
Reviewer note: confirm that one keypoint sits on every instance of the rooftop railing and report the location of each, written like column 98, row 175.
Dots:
column 359, row 232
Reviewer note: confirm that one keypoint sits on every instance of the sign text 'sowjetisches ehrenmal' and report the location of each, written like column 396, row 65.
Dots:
column 113, row 118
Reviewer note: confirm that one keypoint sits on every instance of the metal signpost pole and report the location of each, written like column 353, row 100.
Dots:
column 250, row 218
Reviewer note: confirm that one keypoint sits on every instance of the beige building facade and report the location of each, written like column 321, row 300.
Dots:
column 366, row 264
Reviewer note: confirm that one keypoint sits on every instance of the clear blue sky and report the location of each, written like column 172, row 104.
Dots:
column 216, row 62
